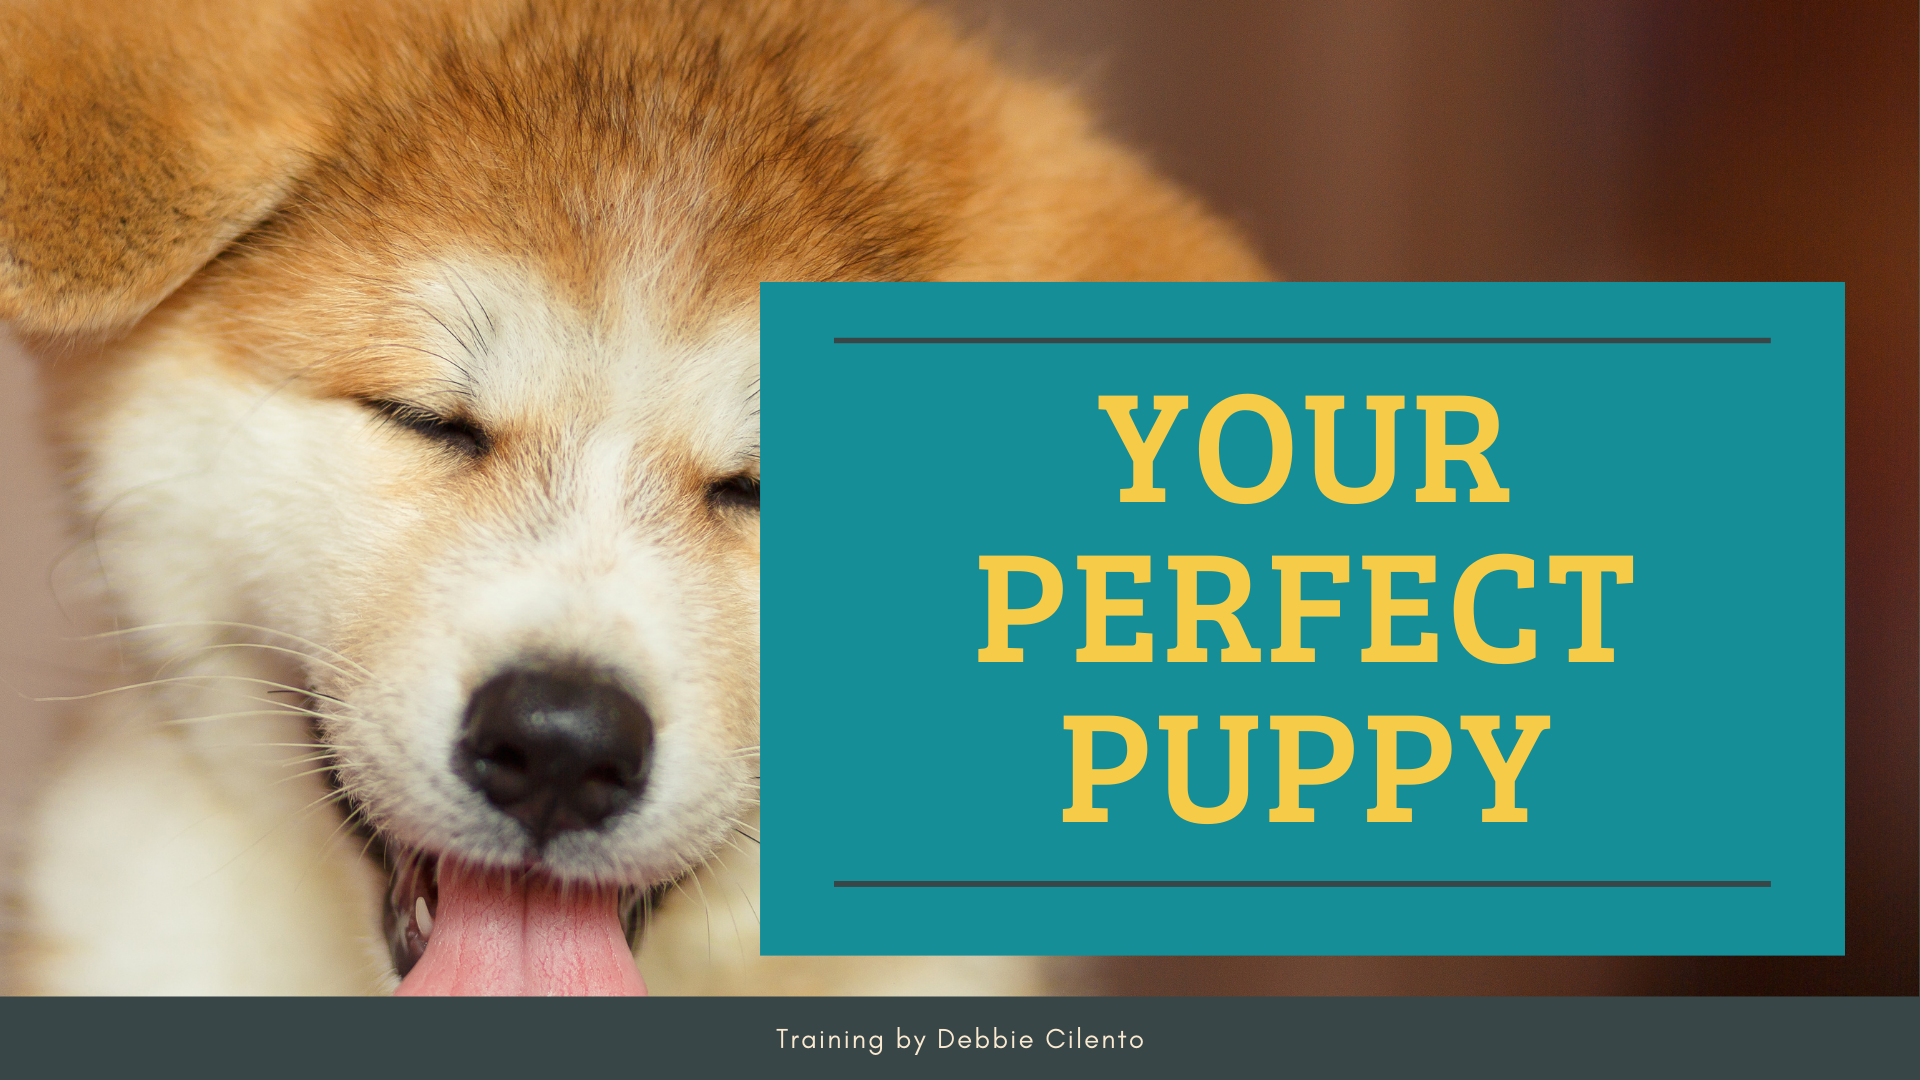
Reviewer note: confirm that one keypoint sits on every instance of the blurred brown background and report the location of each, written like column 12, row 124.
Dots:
column 1564, row 140
column 1476, row 140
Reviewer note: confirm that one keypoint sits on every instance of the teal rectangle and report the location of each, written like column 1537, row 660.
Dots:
column 1710, row 750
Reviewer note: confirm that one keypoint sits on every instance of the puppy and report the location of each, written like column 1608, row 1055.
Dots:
column 403, row 361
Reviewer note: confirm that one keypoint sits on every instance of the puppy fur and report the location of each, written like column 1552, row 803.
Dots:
column 386, row 342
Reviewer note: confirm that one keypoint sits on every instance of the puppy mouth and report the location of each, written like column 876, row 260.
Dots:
column 557, row 748
column 457, row 928
column 454, row 928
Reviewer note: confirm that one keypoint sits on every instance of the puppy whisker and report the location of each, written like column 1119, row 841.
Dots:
column 229, row 624
column 180, row 679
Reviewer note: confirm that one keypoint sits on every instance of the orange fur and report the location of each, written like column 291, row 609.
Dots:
column 780, row 139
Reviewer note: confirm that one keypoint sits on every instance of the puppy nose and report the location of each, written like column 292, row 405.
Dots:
column 556, row 748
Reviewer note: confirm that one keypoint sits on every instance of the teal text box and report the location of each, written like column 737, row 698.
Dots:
column 1686, row 799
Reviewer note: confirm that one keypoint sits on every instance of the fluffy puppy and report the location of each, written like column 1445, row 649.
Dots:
column 403, row 361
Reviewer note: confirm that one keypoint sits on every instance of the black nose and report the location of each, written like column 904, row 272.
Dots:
column 557, row 748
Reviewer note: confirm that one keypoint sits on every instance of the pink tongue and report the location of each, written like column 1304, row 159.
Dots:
column 504, row 934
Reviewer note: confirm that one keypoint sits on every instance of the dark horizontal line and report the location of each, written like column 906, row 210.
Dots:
column 1303, row 884
column 1303, row 341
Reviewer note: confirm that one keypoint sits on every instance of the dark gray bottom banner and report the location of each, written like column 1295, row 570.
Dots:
column 1002, row 1037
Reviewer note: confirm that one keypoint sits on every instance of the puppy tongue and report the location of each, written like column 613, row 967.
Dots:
column 507, row 934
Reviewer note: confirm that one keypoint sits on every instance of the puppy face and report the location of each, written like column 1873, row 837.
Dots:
column 504, row 480
column 436, row 475
column 431, row 354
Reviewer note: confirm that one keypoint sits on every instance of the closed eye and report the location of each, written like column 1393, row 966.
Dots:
column 453, row 432
column 741, row 492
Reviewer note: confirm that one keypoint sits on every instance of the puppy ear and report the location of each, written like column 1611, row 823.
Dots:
column 140, row 138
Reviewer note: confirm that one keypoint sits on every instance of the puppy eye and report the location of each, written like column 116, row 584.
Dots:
column 740, row 492
column 452, row 432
